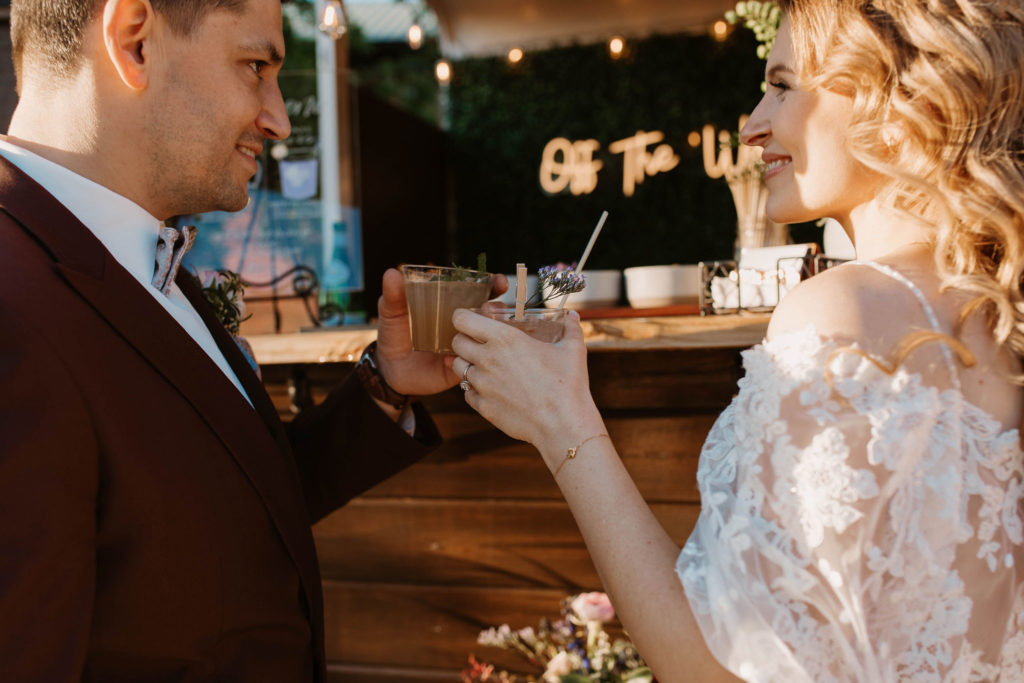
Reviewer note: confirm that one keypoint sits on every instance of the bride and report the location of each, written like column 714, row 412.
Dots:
column 861, row 496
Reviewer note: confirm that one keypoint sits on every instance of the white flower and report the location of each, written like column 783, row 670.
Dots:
column 560, row 665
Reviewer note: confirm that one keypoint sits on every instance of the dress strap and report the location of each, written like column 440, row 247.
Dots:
column 929, row 312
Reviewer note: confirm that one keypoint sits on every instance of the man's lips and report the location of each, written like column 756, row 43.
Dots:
column 251, row 152
column 252, row 155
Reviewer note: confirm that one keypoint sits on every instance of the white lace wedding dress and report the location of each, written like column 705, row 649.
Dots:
column 870, row 533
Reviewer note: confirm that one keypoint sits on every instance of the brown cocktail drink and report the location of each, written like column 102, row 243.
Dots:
column 432, row 294
column 543, row 324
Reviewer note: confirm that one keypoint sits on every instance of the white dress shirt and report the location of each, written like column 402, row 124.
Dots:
column 128, row 232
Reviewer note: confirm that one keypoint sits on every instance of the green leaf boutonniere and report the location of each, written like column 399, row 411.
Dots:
column 223, row 290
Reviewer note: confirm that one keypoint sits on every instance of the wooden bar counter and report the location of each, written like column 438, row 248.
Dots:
column 477, row 534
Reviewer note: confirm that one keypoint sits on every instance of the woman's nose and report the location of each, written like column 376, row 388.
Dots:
column 757, row 131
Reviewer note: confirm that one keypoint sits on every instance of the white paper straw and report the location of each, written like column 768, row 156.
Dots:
column 586, row 252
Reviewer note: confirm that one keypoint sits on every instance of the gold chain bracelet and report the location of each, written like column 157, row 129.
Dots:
column 571, row 453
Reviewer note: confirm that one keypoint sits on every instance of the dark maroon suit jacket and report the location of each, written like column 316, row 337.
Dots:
column 153, row 525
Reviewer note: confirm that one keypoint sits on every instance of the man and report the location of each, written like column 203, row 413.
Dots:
column 154, row 514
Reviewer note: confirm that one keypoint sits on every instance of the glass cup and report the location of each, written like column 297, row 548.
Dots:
column 432, row 294
column 543, row 324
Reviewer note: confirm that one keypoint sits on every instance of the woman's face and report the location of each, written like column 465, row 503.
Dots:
column 810, row 173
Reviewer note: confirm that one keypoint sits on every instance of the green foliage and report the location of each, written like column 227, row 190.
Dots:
column 762, row 18
column 459, row 273
column 396, row 73
column 503, row 116
column 224, row 292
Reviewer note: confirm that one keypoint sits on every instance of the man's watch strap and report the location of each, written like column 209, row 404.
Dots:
column 368, row 372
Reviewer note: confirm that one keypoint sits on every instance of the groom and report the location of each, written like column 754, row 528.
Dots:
column 154, row 513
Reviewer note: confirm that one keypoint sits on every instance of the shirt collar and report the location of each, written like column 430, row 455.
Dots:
column 128, row 231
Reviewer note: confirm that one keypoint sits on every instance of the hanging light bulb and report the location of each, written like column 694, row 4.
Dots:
column 616, row 46
column 720, row 30
column 332, row 20
column 443, row 71
column 415, row 36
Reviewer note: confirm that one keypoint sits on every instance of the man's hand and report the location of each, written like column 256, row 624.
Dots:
column 416, row 373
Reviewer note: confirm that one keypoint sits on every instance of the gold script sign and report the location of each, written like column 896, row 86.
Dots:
column 571, row 164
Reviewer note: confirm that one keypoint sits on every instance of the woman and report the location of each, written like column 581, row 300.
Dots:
column 861, row 496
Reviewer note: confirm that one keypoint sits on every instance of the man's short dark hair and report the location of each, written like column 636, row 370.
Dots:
column 51, row 31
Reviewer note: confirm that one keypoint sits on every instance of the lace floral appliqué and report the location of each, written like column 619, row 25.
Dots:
column 860, row 529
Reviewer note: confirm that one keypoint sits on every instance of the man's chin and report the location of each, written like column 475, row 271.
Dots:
column 237, row 204
column 231, row 204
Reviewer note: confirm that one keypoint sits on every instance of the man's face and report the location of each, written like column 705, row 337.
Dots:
column 215, row 100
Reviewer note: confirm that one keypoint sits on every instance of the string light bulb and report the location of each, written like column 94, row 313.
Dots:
column 616, row 46
column 443, row 71
column 720, row 30
column 415, row 36
column 332, row 19
column 515, row 55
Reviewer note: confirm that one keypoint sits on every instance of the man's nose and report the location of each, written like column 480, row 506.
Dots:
column 273, row 118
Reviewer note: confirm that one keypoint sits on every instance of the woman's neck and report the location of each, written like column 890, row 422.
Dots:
column 877, row 232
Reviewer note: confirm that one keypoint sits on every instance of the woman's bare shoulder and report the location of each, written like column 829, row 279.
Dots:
column 852, row 303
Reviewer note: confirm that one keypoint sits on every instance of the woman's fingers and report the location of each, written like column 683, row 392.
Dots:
column 479, row 327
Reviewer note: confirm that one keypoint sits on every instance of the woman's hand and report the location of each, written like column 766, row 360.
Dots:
column 531, row 390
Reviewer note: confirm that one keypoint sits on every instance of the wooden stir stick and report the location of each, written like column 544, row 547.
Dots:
column 520, row 291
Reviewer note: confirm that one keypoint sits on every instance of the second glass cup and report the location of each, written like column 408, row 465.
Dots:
column 543, row 324
column 432, row 294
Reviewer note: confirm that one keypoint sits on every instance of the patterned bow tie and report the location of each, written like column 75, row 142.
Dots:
column 170, row 250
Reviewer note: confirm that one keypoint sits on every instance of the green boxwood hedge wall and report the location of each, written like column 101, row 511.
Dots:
column 502, row 116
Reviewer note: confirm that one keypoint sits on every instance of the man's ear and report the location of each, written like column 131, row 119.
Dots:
column 127, row 29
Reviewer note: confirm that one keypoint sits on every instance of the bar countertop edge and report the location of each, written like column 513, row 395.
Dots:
column 343, row 345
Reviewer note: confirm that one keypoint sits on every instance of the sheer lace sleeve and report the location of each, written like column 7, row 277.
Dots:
column 856, row 525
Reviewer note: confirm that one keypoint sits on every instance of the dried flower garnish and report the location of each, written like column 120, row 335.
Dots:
column 555, row 281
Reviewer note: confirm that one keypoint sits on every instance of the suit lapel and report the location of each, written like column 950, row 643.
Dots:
column 243, row 371
column 257, row 445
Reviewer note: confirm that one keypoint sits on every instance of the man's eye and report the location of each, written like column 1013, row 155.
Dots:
column 257, row 66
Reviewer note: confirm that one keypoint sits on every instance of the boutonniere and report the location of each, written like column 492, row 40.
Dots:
column 224, row 291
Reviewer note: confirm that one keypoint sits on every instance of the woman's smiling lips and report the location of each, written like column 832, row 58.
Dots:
column 775, row 164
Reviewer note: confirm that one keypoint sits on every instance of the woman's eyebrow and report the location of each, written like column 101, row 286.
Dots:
column 775, row 69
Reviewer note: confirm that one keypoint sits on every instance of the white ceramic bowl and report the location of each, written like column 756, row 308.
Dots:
column 653, row 286
column 604, row 287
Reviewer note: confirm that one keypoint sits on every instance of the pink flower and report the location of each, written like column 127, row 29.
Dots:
column 593, row 607
column 560, row 665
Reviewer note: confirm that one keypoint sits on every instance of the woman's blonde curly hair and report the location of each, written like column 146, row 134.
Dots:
column 938, row 92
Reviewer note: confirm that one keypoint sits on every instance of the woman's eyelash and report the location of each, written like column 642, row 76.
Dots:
column 780, row 85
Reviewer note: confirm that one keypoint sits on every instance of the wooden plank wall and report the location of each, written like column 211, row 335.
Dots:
column 478, row 535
